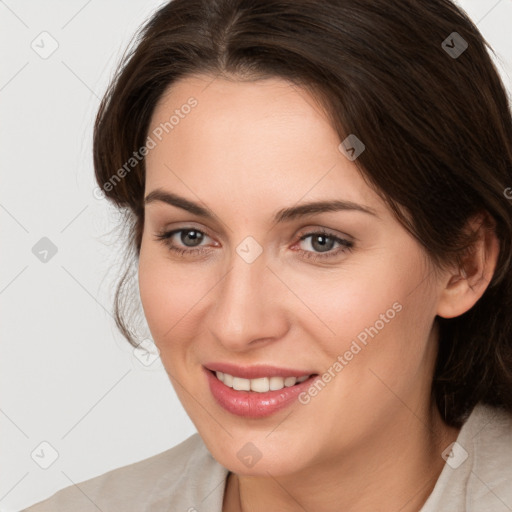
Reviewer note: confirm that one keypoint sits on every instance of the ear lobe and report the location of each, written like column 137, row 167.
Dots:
column 464, row 287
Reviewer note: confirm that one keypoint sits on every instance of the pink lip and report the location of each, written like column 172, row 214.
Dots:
column 255, row 372
column 250, row 404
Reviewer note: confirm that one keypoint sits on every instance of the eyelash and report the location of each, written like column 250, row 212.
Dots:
column 346, row 245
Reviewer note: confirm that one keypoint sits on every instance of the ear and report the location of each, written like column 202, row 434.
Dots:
column 461, row 288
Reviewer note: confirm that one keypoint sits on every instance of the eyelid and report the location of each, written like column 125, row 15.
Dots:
column 188, row 226
column 345, row 243
column 167, row 233
column 312, row 230
column 303, row 233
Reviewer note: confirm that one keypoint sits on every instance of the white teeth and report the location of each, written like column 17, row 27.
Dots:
column 276, row 383
column 290, row 381
column 228, row 379
column 241, row 384
column 260, row 385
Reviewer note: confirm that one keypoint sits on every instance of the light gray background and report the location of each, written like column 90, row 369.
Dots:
column 67, row 377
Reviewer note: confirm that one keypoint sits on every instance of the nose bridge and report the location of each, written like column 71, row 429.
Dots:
column 245, row 307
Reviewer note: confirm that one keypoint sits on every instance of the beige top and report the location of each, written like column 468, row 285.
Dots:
column 477, row 477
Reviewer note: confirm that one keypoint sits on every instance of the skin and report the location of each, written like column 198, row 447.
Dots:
column 371, row 439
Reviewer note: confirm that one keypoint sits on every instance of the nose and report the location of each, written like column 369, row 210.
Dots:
column 249, row 306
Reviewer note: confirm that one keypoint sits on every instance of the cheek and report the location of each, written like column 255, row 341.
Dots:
column 388, row 352
column 174, row 297
column 378, row 314
column 167, row 295
column 370, row 303
column 341, row 306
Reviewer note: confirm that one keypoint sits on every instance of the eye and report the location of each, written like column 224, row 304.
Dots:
column 323, row 242
column 187, row 242
column 190, row 238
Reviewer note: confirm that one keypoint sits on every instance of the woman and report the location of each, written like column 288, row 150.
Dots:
column 317, row 198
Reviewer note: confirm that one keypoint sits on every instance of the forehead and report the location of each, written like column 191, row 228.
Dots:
column 265, row 139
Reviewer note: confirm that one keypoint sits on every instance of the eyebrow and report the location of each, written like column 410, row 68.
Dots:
column 286, row 214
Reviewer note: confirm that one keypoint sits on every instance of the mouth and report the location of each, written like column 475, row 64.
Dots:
column 260, row 396
column 261, row 384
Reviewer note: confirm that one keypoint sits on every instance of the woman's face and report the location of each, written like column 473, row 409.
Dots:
column 343, row 293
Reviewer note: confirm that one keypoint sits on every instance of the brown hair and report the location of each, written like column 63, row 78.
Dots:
column 382, row 71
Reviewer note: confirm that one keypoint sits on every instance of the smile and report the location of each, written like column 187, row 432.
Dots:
column 260, row 385
column 256, row 397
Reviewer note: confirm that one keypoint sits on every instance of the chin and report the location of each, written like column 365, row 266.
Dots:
column 256, row 455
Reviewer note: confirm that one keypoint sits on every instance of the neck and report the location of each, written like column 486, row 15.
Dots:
column 396, row 470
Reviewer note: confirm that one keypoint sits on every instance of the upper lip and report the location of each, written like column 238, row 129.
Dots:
column 255, row 372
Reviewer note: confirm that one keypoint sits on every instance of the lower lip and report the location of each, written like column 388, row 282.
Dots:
column 251, row 404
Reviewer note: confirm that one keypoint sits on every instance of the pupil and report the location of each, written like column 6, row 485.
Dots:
column 196, row 237
column 323, row 246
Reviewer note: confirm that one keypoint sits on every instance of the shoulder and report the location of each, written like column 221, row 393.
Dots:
column 180, row 477
column 478, row 470
column 490, row 439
